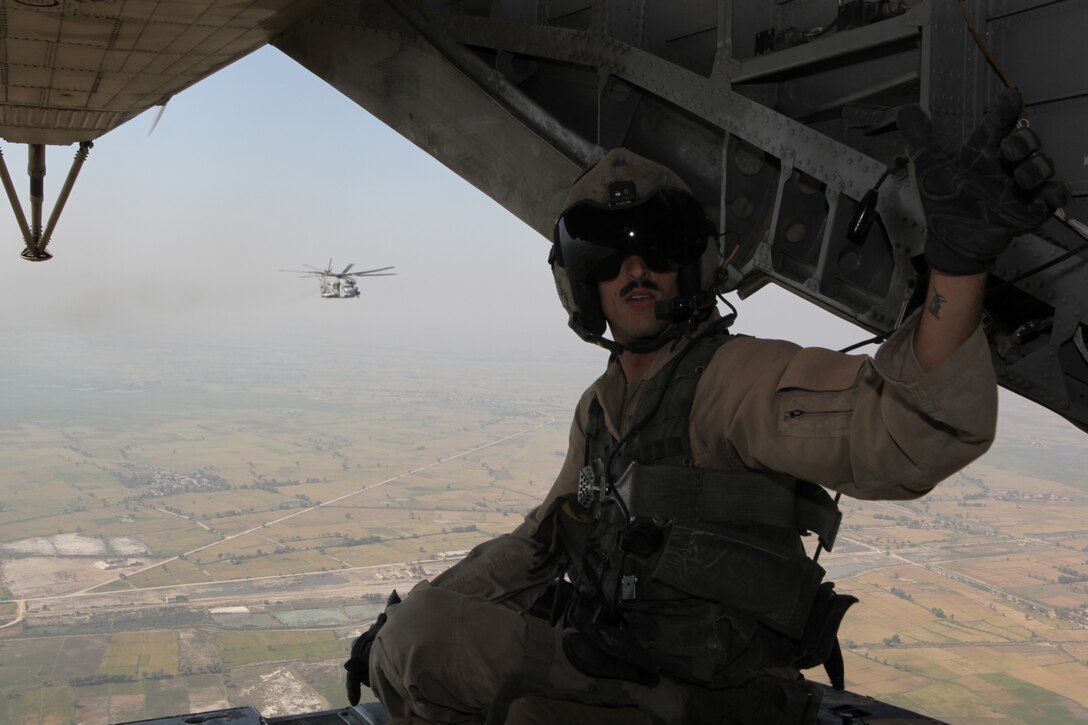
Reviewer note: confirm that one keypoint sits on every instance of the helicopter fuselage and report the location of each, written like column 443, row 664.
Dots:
column 338, row 287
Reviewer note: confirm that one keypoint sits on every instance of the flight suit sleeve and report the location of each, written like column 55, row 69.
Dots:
column 872, row 428
column 938, row 421
column 499, row 569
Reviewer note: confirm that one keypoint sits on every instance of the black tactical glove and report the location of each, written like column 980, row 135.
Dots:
column 993, row 189
column 358, row 665
column 564, row 529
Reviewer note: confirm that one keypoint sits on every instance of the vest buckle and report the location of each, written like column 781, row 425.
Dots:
column 590, row 485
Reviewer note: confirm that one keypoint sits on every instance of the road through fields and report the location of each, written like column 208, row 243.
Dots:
column 352, row 580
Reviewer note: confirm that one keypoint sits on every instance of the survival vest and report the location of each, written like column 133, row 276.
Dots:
column 695, row 573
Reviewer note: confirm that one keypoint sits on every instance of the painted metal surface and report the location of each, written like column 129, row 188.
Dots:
column 779, row 114
column 71, row 70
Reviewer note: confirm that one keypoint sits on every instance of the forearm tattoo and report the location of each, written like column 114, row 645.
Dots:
column 936, row 303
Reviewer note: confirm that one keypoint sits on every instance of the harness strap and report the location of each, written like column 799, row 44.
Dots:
column 702, row 495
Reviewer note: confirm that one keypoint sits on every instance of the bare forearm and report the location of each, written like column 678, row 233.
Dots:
column 952, row 311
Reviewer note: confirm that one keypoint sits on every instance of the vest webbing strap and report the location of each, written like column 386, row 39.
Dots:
column 703, row 495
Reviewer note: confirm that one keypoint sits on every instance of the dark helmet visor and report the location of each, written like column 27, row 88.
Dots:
column 668, row 230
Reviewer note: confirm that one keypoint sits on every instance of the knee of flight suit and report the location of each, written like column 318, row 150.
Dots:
column 445, row 652
column 417, row 627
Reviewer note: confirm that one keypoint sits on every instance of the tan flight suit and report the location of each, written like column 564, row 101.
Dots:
column 872, row 428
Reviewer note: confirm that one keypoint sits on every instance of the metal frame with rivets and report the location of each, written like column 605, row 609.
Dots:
column 780, row 114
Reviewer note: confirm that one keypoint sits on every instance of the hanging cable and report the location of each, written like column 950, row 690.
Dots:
column 877, row 339
column 728, row 304
column 982, row 45
column 814, row 33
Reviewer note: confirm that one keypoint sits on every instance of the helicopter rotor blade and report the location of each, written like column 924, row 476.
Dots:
column 373, row 272
column 347, row 268
column 158, row 117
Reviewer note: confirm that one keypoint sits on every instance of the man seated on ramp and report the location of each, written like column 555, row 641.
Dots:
column 663, row 579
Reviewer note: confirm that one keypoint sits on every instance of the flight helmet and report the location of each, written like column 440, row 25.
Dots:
column 622, row 206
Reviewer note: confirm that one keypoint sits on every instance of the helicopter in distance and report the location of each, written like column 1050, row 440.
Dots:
column 340, row 285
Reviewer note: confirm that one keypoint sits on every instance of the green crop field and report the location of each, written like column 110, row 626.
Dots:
column 137, row 654
column 246, row 648
column 41, row 706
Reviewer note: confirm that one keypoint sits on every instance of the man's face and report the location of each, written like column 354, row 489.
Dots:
column 628, row 300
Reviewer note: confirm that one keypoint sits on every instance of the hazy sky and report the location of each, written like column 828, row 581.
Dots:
column 181, row 233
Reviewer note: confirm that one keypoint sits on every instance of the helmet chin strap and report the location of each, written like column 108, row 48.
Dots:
column 684, row 314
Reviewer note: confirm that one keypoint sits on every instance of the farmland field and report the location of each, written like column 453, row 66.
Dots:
column 215, row 538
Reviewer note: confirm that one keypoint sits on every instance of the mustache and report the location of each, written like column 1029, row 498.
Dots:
column 639, row 283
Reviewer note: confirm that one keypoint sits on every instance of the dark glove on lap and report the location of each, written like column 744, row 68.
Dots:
column 993, row 189
column 358, row 665
column 563, row 529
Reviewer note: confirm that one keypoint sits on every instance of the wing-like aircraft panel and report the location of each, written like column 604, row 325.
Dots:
column 780, row 115
column 74, row 70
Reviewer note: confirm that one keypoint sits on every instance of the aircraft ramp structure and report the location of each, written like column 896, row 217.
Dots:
column 838, row 708
column 780, row 114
